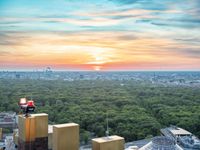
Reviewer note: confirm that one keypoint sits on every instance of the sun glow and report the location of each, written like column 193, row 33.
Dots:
column 97, row 68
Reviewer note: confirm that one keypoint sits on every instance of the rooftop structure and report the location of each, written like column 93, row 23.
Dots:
column 161, row 143
column 180, row 132
column 174, row 132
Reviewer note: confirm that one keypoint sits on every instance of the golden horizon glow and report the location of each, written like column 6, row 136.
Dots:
column 65, row 50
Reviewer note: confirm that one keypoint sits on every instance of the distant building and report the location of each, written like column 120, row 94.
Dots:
column 7, row 119
column 17, row 76
column 183, row 137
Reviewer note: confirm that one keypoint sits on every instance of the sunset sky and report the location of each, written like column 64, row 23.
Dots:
column 100, row 34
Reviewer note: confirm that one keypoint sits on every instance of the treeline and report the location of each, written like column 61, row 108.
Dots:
column 135, row 110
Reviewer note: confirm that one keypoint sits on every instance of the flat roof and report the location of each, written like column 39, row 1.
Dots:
column 108, row 139
column 65, row 125
column 40, row 114
column 179, row 131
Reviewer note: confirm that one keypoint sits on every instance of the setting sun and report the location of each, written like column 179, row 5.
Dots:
column 97, row 68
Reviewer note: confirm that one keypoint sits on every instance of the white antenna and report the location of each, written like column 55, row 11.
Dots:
column 107, row 130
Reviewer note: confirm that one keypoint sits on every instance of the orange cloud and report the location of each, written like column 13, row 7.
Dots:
column 96, row 51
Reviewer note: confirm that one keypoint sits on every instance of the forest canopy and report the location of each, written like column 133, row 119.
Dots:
column 135, row 110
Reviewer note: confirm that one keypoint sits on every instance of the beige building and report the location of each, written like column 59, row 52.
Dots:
column 66, row 136
column 33, row 132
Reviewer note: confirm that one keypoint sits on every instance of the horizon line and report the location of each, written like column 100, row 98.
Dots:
column 43, row 70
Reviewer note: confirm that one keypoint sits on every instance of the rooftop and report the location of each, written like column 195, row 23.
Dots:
column 40, row 114
column 107, row 139
column 174, row 131
column 65, row 125
column 179, row 131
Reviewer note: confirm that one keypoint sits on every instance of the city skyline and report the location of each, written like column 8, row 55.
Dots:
column 102, row 35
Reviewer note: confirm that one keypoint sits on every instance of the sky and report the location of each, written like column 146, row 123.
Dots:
column 99, row 35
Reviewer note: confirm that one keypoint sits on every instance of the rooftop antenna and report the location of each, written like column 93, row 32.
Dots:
column 107, row 127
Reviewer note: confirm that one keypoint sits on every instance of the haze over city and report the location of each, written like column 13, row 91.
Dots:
column 100, row 35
